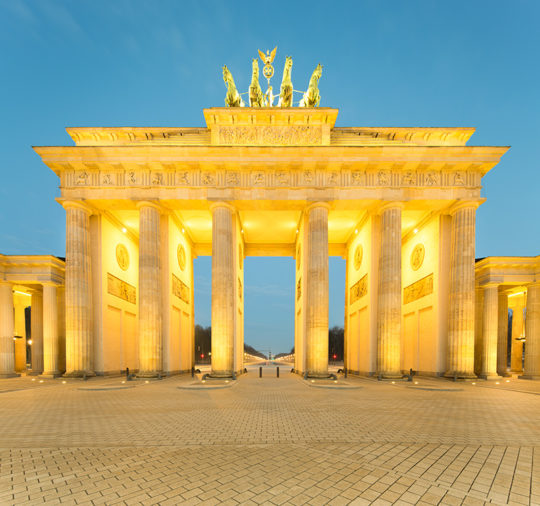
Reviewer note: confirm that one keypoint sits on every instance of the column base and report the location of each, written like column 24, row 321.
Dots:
column 529, row 377
column 79, row 374
column 489, row 377
column 50, row 375
column 9, row 375
column 389, row 375
column 33, row 373
column 150, row 374
column 504, row 374
column 460, row 375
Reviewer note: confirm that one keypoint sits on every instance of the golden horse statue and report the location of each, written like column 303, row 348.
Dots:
column 312, row 96
column 256, row 97
column 233, row 98
column 286, row 93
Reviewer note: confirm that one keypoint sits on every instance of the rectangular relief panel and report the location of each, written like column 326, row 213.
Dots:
column 180, row 289
column 121, row 289
column 359, row 289
column 418, row 289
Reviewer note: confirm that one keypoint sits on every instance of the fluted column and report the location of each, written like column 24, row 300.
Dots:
column 490, row 332
column 150, row 335
column 502, row 332
column 36, row 325
column 460, row 354
column 516, row 350
column 223, row 290
column 78, row 292
column 389, row 294
column 317, row 291
column 50, row 331
column 532, row 333
column 7, row 350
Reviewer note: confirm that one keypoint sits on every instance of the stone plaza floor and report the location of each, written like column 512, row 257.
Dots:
column 269, row 441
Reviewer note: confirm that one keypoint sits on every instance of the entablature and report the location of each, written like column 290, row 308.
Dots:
column 514, row 271
column 32, row 269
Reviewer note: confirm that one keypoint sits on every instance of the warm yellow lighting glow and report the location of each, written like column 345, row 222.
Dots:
column 204, row 381
column 312, row 381
column 146, row 381
column 507, row 381
column 21, row 293
column 516, row 294
column 123, row 382
column 64, row 382
column 226, row 381
column 242, row 231
column 355, row 230
column 41, row 381
column 393, row 382
column 416, row 382
column 183, row 231
column 296, row 230
column 473, row 383
column 496, row 383
column 335, row 381
column 124, row 230
column 415, row 230
column 30, row 341
column 33, row 379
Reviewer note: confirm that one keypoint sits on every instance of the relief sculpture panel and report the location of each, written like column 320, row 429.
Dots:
column 418, row 289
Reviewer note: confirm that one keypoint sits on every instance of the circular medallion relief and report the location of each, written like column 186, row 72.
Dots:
column 122, row 257
column 417, row 256
column 240, row 257
column 181, row 255
column 358, row 255
column 298, row 257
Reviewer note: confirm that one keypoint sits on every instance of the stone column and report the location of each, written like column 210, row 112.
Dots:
column 532, row 333
column 78, row 292
column 7, row 350
column 223, row 290
column 516, row 351
column 460, row 354
column 389, row 294
column 150, row 335
column 502, row 331
column 36, row 325
column 490, row 332
column 50, row 332
column 317, row 291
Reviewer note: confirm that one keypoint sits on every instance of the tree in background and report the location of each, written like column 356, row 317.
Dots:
column 203, row 344
column 336, row 337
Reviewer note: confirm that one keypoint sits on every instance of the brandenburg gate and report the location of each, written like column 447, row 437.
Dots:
column 398, row 204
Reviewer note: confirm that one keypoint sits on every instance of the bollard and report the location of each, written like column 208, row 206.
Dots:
column 127, row 373
column 277, row 371
column 192, row 372
column 260, row 371
column 345, row 372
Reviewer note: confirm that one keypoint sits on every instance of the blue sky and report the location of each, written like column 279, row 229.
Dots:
column 386, row 63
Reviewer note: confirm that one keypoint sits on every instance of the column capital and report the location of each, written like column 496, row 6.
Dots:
column 149, row 203
column 464, row 204
column 215, row 205
column 76, row 204
column 313, row 205
column 389, row 205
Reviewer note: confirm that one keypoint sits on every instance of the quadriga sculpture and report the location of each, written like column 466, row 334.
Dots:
column 232, row 98
column 286, row 93
column 256, row 97
column 312, row 96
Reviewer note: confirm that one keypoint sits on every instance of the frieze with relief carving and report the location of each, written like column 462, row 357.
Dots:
column 276, row 178
column 287, row 135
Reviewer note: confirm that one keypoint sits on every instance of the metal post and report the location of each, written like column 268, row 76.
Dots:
column 260, row 371
column 277, row 371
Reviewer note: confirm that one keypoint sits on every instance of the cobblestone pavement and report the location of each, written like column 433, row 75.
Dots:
column 269, row 441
